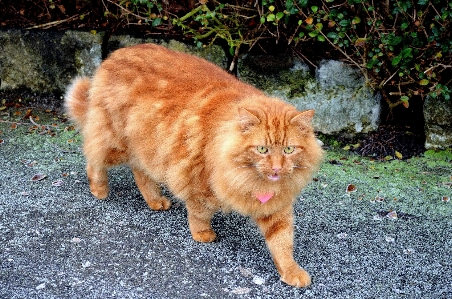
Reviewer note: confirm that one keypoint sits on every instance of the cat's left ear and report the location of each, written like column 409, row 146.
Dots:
column 303, row 119
column 247, row 119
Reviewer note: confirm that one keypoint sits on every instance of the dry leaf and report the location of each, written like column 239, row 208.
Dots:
column 392, row 215
column 445, row 199
column 38, row 177
column 57, row 183
column 379, row 199
column 351, row 188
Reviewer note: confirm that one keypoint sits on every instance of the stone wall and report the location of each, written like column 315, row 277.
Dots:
column 438, row 123
column 46, row 61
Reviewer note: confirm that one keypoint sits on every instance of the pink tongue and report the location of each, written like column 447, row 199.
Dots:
column 264, row 197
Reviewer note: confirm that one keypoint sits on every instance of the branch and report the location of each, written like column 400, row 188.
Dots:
column 54, row 23
column 346, row 55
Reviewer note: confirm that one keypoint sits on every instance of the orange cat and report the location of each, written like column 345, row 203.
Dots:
column 217, row 143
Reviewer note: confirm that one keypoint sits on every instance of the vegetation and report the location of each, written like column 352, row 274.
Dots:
column 402, row 47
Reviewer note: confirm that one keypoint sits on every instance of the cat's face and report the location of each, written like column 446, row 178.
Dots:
column 276, row 144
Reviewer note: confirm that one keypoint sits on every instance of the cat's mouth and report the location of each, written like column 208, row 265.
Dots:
column 274, row 177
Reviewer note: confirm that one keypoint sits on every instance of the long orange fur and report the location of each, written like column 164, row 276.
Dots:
column 217, row 143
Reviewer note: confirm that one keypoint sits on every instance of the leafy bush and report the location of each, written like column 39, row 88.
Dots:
column 402, row 47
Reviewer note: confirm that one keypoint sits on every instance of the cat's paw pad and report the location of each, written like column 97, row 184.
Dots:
column 99, row 191
column 204, row 236
column 160, row 204
column 297, row 277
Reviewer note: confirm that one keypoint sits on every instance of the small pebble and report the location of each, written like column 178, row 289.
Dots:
column 258, row 280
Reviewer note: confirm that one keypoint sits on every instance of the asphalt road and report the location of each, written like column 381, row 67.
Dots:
column 58, row 241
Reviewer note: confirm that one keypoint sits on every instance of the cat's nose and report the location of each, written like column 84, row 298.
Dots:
column 276, row 169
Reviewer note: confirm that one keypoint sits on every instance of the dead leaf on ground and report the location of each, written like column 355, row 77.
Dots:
column 351, row 188
column 58, row 183
column 38, row 177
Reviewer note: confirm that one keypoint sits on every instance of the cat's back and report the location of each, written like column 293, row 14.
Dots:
column 156, row 67
column 151, row 82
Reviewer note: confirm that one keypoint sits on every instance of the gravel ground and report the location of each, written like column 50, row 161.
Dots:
column 391, row 238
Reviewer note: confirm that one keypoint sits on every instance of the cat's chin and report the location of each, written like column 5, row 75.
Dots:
column 274, row 177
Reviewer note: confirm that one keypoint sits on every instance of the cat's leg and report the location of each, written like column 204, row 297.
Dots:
column 199, row 217
column 98, row 180
column 150, row 191
column 278, row 232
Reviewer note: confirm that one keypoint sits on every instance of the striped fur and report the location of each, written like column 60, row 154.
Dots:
column 178, row 120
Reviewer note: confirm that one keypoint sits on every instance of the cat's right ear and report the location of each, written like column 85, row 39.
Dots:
column 247, row 119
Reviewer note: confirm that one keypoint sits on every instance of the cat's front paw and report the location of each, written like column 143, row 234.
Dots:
column 159, row 204
column 296, row 276
column 204, row 236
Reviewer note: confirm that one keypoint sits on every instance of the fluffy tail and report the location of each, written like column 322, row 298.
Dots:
column 76, row 100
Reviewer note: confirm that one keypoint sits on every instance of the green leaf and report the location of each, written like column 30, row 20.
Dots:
column 271, row 18
column 313, row 33
column 396, row 60
column 423, row 82
column 407, row 52
column 156, row 22
column 314, row 9
column 232, row 50
column 404, row 98
column 279, row 15
column 332, row 35
column 371, row 63
column 262, row 20
column 289, row 4
column 321, row 38
column 356, row 20
column 422, row 2
column 344, row 23
column 303, row 3
column 395, row 40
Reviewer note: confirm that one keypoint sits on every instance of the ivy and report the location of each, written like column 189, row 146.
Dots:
column 403, row 49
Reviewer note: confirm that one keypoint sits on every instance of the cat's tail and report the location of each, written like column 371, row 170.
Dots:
column 76, row 100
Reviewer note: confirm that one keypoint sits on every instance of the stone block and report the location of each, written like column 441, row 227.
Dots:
column 438, row 123
column 45, row 61
column 212, row 53
column 337, row 92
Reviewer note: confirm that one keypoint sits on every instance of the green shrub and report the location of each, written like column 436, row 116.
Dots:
column 402, row 47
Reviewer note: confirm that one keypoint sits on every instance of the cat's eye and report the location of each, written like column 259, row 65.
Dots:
column 289, row 149
column 262, row 149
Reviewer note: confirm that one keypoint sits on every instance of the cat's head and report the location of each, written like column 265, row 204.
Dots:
column 276, row 145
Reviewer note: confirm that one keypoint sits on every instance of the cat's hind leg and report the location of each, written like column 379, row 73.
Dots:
column 151, row 191
column 98, row 180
